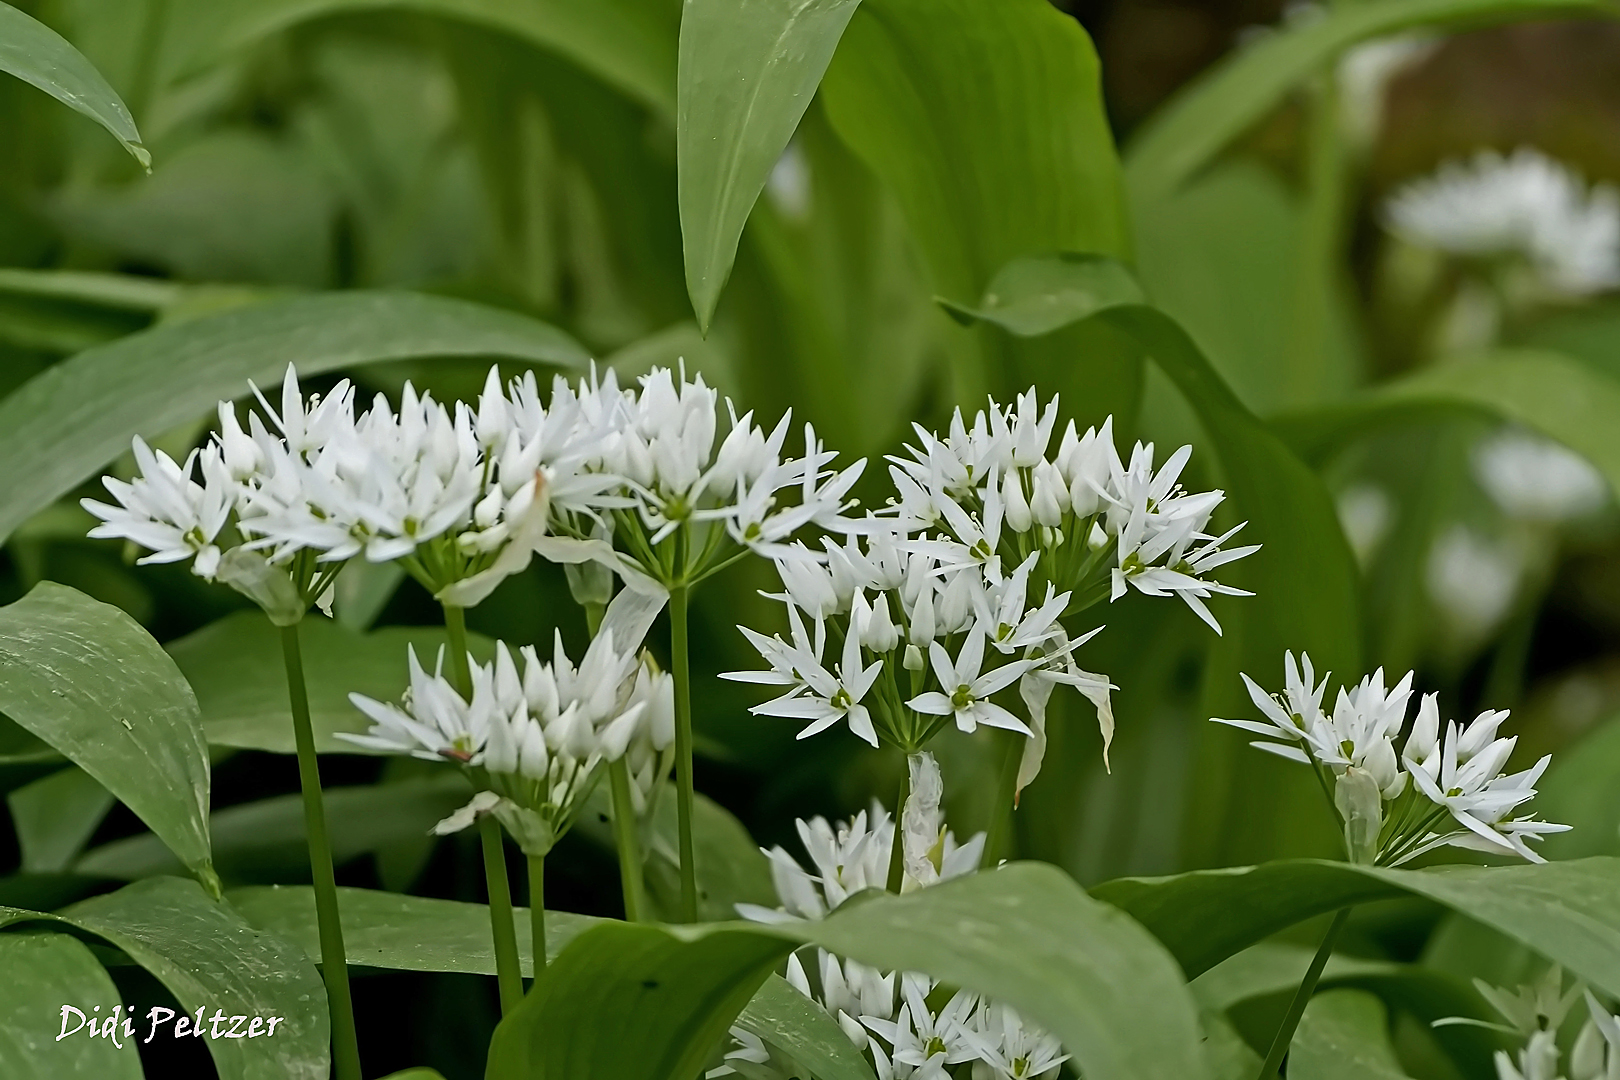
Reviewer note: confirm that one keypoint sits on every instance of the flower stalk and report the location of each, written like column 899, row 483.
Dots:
column 334, row 963
column 1296, row 1008
column 508, row 972
column 537, row 912
column 897, row 861
column 680, row 670
column 625, row 840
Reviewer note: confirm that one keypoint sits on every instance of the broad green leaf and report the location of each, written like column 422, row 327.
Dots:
column 1228, row 1056
column 1567, row 911
column 39, row 55
column 1344, row 1035
column 626, row 43
column 73, row 418
column 1304, row 577
column 264, row 840
column 1562, row 398
column 123, row 292
column 398, row 932
column 1274, row 968
column 87, row 679
column 645, row 1001
column 747, row 73
column 1221, row 257
column 55, row 817
column 235, row 667
column 212, row 961
column 45, row 973
column 922, row 90
column 421, row 1072
column 796, row 1027
column 1216, row 108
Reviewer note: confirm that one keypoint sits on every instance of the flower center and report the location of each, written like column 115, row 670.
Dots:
column 961, row 698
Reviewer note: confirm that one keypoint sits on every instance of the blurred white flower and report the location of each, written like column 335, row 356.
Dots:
column 1365, row 513
column 1526, row 206
column 1472, row 580
column 1536, row 479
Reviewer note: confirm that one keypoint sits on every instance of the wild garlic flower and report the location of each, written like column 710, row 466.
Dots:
column 919, row 643
column 1531, row 478
column 989, row 493
column 533, row 741
column 887, row 1014
column 685, row 506
column 1395, row 807
column 1535, row 1013
column 1526, row 208
column 165, row 510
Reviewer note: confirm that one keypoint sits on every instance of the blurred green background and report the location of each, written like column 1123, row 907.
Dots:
column 305, row 145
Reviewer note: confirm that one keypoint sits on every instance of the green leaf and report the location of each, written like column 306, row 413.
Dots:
column 1559, row 397
column 234, row 665
column 1213, row 110
column 398, row 932
column 922, row 91
column 44, row 974
column 55, row 817
column 1304, row 577
column 1229, row 1057
column 70, row 420
column 1344, row 1035
column 85, row 678
column 1578, row 791
column 730, row 867
column 634, row 1001
column 122, row 292
column 1567, row 911
column 264, row 840
column 802, row 1031
column 747, row 73
column 39, row 55
column 626, row 43
column 421, row 1072
column 211, row 960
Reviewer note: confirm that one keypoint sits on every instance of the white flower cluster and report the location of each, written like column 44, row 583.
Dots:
column 464, row 497
column 1535, row 1013
column 1526, row 207
column 957, row 590
column 887, row 1014
column 1436, row 792
column 533, row 742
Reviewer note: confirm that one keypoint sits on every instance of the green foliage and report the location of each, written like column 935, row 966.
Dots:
column 209, row 959
column 633, row 1001
column 1218, row 107
column 1344, row 1034
column 44, row 971
column 36, row 54
column 74, row 418
column 85, row 678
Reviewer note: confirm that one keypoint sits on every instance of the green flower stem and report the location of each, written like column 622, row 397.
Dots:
column 508, row 971
column 334, row 964
column 624, row 838
column 537, row 912
column 998, row 844
column 455, row 627
column 1296, row 1008
column 680, row 670
column 897, row 850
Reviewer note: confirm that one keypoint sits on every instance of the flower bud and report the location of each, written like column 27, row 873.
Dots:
column 923, row 626
column 1018, row 513
column 1051, row 496
column 1361, row 805
column 880, row 634
column 242, row 455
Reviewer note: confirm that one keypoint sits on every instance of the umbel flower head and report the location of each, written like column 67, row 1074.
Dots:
column 1526, row 208
column 685, row 501
column 532, row 741
column 893, row 1017
column 1435, row 792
